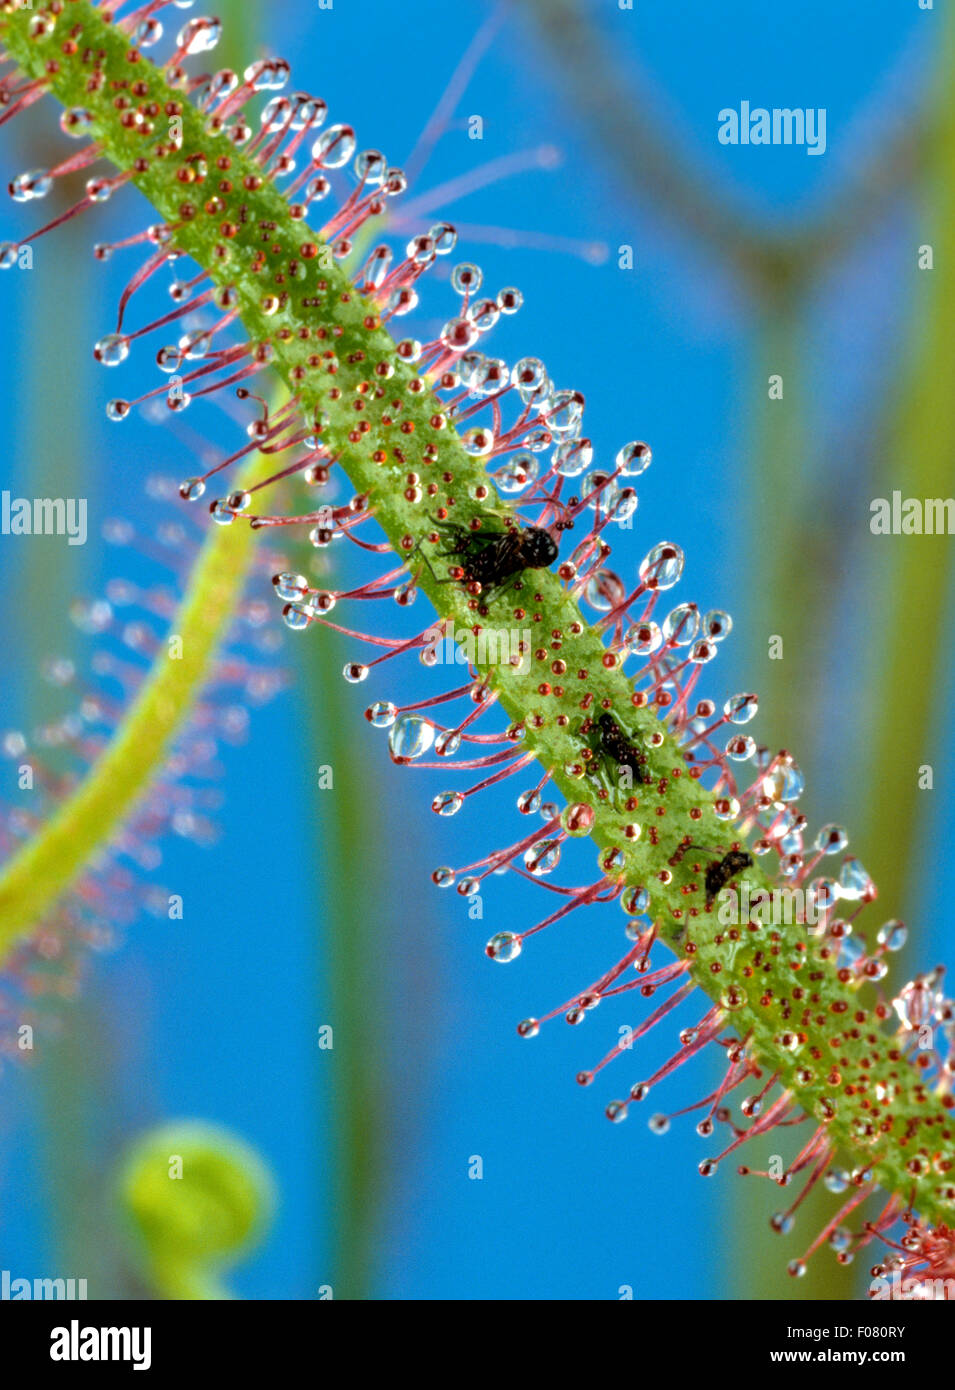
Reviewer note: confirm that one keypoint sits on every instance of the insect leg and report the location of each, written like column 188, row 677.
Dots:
column 418, row 551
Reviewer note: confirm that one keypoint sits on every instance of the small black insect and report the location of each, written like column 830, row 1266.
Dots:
column 719, row 873
column 492, row 558
column 609, row 742
column 617, row 744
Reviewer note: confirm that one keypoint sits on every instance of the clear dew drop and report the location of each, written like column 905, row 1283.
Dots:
column 76, row 122
column 310, row 111
column 289, row 587
column 199, row 35
column 466, row 278
column 823, row 894
column 316, row 189
column 420, row 249
column 410, row 738
column 832, row 839
column 642, row 639
column 537, row 441
column 658, row 1124
column 222, row 84
column 516, row 474
column 296, row 617
column 444, row 238
column 572, row 457
column 542, row 858
column 504, row 947
column 793, row 781
column 634, row 458
column 740, row 709
column 620, row 503
column 276, row 113
column 528, row 375
column 111, row 350
column 382, row 714
column 99, row 190
column 634, row 901
column 169, row 359
column 565, row 413
column 33, row 184
column 458, row 334
column 484, row 314
column 740, row 748
column 717, row 625
column 354, row 672
column 662, row 566
column 851, row 950
column 854, row 882
column 478, row 442
column 447, row 743
column 703, row 651
column 192, row 489
column 334, row 147
column 784, row 783
column 528, row 1028
column 195, row 346
column 577, row 818
column 681, row 624
column 490, row 375
column 447, row 803
column 147, row 33
column 610, row 861
column 840, row 1239
column 893, row 935
column 605, row 591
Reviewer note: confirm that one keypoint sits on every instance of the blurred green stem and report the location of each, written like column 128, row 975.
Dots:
column 914, row 573
column 34, row 879
column 351, row 895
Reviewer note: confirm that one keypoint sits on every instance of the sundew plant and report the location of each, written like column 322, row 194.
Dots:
column 490, row 549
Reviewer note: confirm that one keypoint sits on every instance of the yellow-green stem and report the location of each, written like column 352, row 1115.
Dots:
column 36, row 877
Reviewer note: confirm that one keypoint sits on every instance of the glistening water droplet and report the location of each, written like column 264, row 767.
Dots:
column 410, row 738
